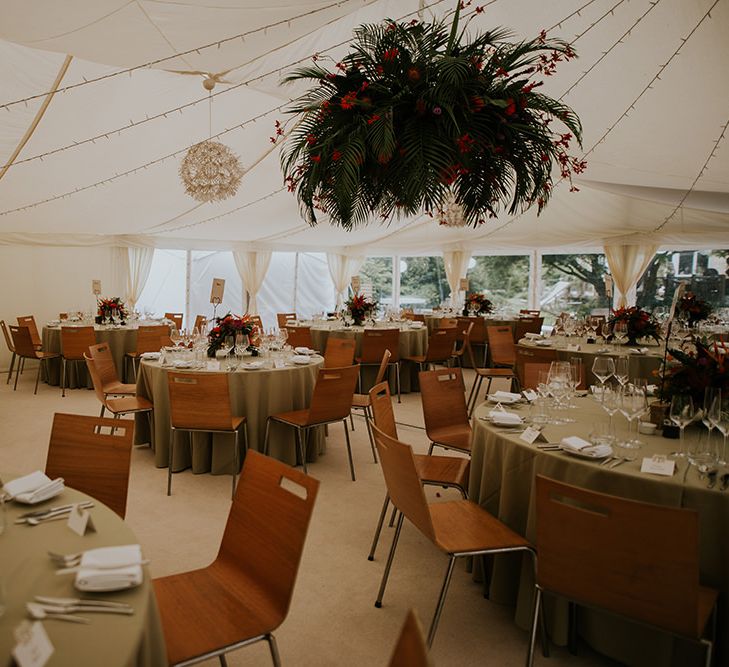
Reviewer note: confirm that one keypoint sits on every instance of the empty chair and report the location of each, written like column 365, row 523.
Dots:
column 478, row 337
column 633, row 559
column 410, row 650
column 441, row 344
column 501, row 346
column 29, row 321
column 457, row 527
column 446, row 471
column 92, row 455
column 201, row 324
column 62, row 316
column 531, row 313
column 11, row 349
column 463, row 341
column 374, row 344
column 527, row 325
column 245, row 593
column 532, row 358
column 362, row 401
column 444, row 409
column 149, row 339
column 110, row 382
column 339, row 352
column 299, row 336
column 75, row 343
column 176, row 318
column 331, row 402
column 490, row 374
column 201, row 402
column 25, row 349
column 282, row 318
column 447, row 322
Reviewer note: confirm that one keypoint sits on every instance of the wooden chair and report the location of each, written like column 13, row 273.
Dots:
column 25, row 349
column 62, row 316
column 245, row 593
column 374, row 344
column 282, row 318
column 362, row 401
column 110, row 382
column 201, row 402
column 444, row 409
column 75, row 343
column 445, row 471
column 418, row 317
column 531, row 313
column 478, row 336
column 447, row 322
column 527, row 325
column 331, row 402
column 176, row 318
column 339, row 352
column 501, row 346
column 457, row 527
column 630, row 558
column 149, row 339
column 410, row 650
column 489, row 374
column 534, row 356
column 299, row 337
column 11, row 349
column 441, row 344
column 29, row 321
column 90, row 460
column 201, row 323
column 463, row 341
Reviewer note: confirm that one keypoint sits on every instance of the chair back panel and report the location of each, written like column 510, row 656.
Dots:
column 501, row 345
column 267, row 525
column 478, row 333
column 94, row 462
column 299, row 336
column 444, row 398
column 201, row 323
column 403, row 483
column 62, row 316
column 176, row 318
column 22, row 341
column 383, row 414
column 152, row 339
column 534, row 356
column 410, row 649
column 29, row 321
column 376, row 341
column 333, row 392
column 531, row 372
column 282, row 318
column 6, row 334
column 527, row 325
column 531, row 313
column 200, row 401
column 95, row 378
column 386, row 360
column 104, row 362
column 632, row 558
column 76, row 341
column 339, row 352
column 441, row 343
column 447, row 322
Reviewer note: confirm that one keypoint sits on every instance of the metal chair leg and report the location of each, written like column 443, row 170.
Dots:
column 150, row 418
column 430, row 449
column 37, row 377
column 397, row 378
column 17, row 375
column 378, row 530
column 441, row 600
column 351, row 420
column 63, row 378
column 223, row 661
column 169, row 462
column 388, row 565
column 533, row 631
column 393, row 516
column 349, row 448
column 300, row 444
column 10, row 370
column 274, row 650
column 265, row 437
column 236, row 463
column 368, row 416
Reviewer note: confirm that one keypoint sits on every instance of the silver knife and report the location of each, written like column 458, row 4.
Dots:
column 88, row 602
column 48, row 510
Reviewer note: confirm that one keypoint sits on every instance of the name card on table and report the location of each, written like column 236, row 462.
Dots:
column 279, row 363
column 658, row 465
column 573, row 348
column 80, row 521
column 217, row 291
column 33, row 648
column 531, row 435
column 530, row 395
column 463, row 285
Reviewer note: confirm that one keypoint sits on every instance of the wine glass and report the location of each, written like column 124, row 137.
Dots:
column 622, row 365
column 605, row 330
column 603, row 368
column 682, row 413
column 722, row 425
column 620, row 331
column 610, row 402
column 710, row 413
column 633, row 404
column 576, row 375
column 175, row 337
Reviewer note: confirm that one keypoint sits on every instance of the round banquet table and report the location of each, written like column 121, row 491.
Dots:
column 412, row 342
column 110, row 639
column 641, row 365
column 254, row 394
column 503, row 470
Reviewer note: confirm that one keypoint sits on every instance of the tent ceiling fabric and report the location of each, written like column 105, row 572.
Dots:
column 99, row 192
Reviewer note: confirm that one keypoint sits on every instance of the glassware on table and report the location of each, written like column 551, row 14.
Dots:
column 610, row 402
column 622, row 370
column 577, row 375
column 603, row 368
column 620, row 331
column 710, row 417
column 682, row 413
column 633, row 405
column 722, row 426
column 605, row 330
column 560, row 378
column 175, row 337
column 539, row 413
column 602, row 433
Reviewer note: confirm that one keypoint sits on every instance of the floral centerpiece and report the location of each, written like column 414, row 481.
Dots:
column 228, row 325
column 640, row 324
column 359, row 308
column 692, row 309
column 421, row 115
column 477, row 302
column 690, row 372
column 112, row 310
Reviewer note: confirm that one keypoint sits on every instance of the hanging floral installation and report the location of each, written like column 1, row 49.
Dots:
column 418, row 116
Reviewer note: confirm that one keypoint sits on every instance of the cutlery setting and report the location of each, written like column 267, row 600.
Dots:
column 50, row 514
column 65, row 609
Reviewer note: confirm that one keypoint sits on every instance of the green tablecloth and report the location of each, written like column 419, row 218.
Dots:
column 26, row 570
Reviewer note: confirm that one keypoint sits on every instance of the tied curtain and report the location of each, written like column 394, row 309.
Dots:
column 252, row 267
column 138, row 262
column 627, row 264
column 341, row 269
column 456, row 265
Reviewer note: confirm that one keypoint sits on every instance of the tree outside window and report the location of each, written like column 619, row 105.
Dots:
column 423, row 282
column 377, row 272
column 504, row 279
column 573, row 284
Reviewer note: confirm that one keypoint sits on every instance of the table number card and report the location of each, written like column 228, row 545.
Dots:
column 658, row 465
column 530, row 395
column 80, row 521
column 573, row 348
column 96, row 287
column 33, row 648
column 531, row 435
column 463, row 285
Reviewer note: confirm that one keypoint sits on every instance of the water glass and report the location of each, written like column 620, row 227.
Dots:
column 603, row 368
column 682, row 413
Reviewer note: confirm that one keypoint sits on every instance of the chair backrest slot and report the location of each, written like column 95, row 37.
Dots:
column 333, row 392
column 293, row 487
column 383, row 414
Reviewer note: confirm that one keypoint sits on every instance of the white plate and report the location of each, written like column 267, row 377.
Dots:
column 253, row 366
column 588, row 454
column 300, row 360
column 504, row 401
column 498, row 424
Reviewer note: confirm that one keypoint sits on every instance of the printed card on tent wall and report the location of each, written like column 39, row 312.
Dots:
column 217, row 291
column 96, row 287
column 680, row 289
column 463, row 286
column 356, row 284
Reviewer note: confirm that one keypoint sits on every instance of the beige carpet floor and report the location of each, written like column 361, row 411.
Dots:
column 332, row 620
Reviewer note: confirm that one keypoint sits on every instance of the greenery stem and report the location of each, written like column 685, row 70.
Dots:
column 454, row 29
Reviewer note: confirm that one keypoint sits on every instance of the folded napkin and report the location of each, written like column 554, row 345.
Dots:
column 182, row 364
column 303, row 350
column 254, row 364
column 504, row 397
column 300, row 359
column 150, row 355
column 638, row 350
column 34, row 488
column 543, row 343
column 533, row 336
column 110, row 568
column 577, row 445
column 416, row 325
column 504, row 417
column 574, row 443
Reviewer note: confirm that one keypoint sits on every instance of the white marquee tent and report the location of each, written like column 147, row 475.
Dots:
column 95, row 166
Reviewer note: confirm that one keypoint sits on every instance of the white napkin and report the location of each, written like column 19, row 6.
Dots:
column 303, row 350
column 574, row 443
column 110, row 568
column 638, row 350
column 504, row 397
column 533, row 336
column 543, row 343
column 416, row 325
column 183, row 364
column 504, row 417
column 578, row 445
column 150, row 355
column 254, row 365
column 34, row 488
column 300, row 359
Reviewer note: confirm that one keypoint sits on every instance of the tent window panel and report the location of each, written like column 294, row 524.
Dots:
column 376, row 277
column 165, row 288
column 423, row 283
column 277, row 291
column 315, row 292
column 205, row 266
column 504, row 279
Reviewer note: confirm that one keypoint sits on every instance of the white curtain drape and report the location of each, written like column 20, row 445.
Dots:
column 252, row 267
column 138, row 264
column 341, row 269
column 456, row 265
column 627, row 264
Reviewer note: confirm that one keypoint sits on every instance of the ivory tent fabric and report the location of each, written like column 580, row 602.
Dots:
column 252, row 267
column 139, row 263
column 627, row 264
column 341, row 269
column 456, row 265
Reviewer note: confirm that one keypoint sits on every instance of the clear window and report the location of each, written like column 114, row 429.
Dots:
column 423, row 282
column 504, row 279
column 376, row 277
column 165, row 288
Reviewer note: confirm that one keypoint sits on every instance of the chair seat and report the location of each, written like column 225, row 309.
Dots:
column 120, row 388
column 416, row 358
column 495, row 372
column 360, row 401
column 462, row 526
column 235, row 424
column 40, row 354
column 452, row 470
column 458, row 437
column 295, row 417
column 204, row 610
column 128, row 404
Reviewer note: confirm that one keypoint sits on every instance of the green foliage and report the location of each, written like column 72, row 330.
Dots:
column 424, row 278
column 503, row 278
column 413, row 113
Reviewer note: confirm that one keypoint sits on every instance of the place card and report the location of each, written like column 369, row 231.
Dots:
column 279, row 363
column 531, row 435
column 530, row 395
column 573, row 348
column 658, row 465
column 33, row 648
column 80, row 521
column 213, row 365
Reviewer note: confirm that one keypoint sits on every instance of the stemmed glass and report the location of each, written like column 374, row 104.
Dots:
column 576, row 376
column 605, row 330
column 175, row 337
column 712, row 396
column 633, row 404
column 622, row 375
column 682, row 413
column 722, row 425
column 560, row 377
column 603, row 368
column 610, row 402
column 620, row 331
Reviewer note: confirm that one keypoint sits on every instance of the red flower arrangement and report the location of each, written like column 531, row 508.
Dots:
column 691, row 372
column 478, row 302
column 112, row 309
column 692, row 309
column 641, row 324
column 229, row 325
column 360, row 308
